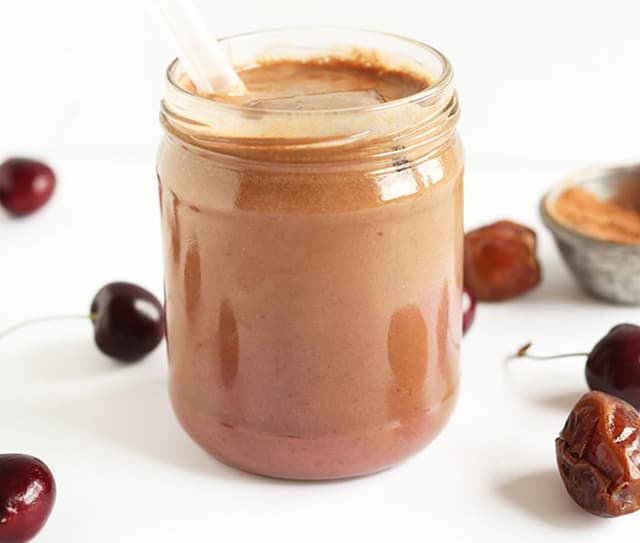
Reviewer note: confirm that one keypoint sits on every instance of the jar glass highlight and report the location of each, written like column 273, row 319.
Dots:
column 313, row 276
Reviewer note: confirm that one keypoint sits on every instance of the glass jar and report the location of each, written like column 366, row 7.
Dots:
column 313, row 276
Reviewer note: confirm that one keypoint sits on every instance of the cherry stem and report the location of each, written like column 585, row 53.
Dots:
column 523, row 352
column 29, row 322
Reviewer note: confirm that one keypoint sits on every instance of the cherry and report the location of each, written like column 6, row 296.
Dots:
column 25, row 185
column 468, row 309
column 128, row 321
column 27, row 494
column 613, row 365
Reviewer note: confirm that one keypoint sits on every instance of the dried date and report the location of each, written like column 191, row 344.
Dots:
column 500, row 261
column 598, row 454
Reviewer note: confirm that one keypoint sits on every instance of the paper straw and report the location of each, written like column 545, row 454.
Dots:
column 198, row 51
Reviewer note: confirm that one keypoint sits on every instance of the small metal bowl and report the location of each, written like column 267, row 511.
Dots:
column 605, row 269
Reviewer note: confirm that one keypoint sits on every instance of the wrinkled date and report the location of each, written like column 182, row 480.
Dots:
column 500, row 261
column 598, row 453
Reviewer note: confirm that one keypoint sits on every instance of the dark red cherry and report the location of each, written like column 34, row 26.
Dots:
column 613, row 366
column 25, row 185
column 27, row 494
column 128, row 321
column 468, row 309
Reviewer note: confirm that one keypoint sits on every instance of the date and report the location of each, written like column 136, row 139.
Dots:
column 500, row 261
column 598, row 455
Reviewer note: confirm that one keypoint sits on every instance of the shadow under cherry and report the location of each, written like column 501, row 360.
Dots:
column 561, row 401
column 66, row 358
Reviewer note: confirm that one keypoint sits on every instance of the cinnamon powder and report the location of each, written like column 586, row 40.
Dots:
column 616, row 219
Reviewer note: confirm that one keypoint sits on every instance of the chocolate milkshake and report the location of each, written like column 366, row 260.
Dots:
column 313, row 242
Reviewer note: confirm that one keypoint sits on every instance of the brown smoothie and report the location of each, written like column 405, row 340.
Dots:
column 313, row 288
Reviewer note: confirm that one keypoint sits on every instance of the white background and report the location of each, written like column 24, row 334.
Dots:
column 540, row 82
column 546, row 87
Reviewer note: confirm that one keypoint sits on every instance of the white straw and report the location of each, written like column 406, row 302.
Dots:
column 199, row 52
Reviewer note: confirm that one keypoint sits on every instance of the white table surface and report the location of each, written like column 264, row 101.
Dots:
column 126, row 471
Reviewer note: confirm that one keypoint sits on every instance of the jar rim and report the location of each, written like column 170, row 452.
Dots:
column 435, row 89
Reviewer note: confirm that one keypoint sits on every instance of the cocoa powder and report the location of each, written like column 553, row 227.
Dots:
column 616, row 219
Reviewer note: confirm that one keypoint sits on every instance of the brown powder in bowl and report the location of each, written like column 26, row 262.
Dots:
column 617, row 219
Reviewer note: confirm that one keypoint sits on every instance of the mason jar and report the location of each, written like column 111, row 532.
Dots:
column 313, row 279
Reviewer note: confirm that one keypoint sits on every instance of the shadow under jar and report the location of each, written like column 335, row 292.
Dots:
column 313, row 258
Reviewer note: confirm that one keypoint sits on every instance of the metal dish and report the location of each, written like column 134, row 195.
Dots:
column 608, row 270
